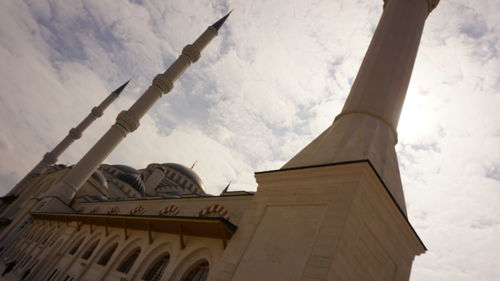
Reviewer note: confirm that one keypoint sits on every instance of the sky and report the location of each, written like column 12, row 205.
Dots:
column 274, row 79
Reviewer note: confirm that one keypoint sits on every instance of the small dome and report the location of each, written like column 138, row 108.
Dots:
column 126, row 169
column 99, row 177
column 133, row 180
column 190, row 174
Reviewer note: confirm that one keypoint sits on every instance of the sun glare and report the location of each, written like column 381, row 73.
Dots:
column 416, row 118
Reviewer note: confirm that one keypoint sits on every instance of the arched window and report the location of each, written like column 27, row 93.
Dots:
column 156, row 269
column 23, row 263
column 75, row 247
column 38, row 237
column 46, row 238
column 90, row 250
column 54, row 240
column 107, row 255
column 198, row 273
column 129, row 260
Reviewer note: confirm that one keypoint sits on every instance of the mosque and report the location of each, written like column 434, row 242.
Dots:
column 335, row 211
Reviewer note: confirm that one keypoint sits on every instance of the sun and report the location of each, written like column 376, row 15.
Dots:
column 416, row 119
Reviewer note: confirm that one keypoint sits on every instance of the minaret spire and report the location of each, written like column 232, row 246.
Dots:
column 128, row 120
column 119, row 90
column 366, row 127
column 51, row 157
column 217, row 25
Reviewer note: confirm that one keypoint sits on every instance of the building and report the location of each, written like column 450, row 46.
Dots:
column 335, row 211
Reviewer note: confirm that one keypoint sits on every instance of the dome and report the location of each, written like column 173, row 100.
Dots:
column 190, row 174
column 99, row 177
column 134, row 180
column 126, row 169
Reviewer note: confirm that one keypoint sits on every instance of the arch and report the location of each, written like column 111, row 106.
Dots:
column 190, row 261
column 152, row 254
column 171, row 210
column 157, row 268
column 53, row 239
column 39, row 236
column 127, row 263
column 59, row 242
column 76, row 246
column 90, row 249
column 124, row 248
column 25, row 261
column 197, row 272
column 214, row 209
column 108, row 254
column 46, row 238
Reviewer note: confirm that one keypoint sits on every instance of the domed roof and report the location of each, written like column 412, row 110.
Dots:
column 134, row 180
column 186, row 172
column 126, row 169
column 99, row 177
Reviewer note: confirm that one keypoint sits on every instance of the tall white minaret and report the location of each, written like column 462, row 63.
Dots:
column 336, row 210
column 128, row 120
column 366, row 127
column 51, row 157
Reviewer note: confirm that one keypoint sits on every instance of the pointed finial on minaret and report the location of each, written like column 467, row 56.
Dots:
column 220, row 22
column 120, row 89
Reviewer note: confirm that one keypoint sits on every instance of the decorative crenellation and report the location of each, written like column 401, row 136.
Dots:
column 215, row 209
column 171, row 210
column 139, row 210
column 114, row 210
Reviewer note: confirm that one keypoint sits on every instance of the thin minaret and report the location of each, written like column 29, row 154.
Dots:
column 366, row 127
column 51, row 157
column 128, row 120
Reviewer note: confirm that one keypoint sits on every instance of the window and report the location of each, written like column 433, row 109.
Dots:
column 46, row 238
column 75, row 247
column 198, row 273
column 54, row 240
column 155, row 271
column 129, row 260
column 107, row 255
column 52, row 275
column 90, row 250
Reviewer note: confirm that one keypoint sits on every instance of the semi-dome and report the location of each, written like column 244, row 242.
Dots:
column 134, row 180
column 188, row 173
column 126, row 169
column 99, row 177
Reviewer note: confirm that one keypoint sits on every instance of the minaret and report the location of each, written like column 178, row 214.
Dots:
column 336, row 210
column 51, row 157
column 366, row 127
column 128, row 121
